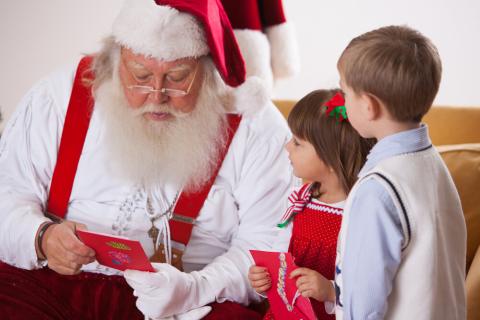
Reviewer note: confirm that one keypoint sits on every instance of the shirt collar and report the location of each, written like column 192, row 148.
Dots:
column 399, row 143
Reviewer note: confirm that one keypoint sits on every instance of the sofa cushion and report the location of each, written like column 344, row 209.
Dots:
column 453, row 125
column 463, row 162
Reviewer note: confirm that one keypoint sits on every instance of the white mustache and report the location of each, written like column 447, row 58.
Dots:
column 160, row 108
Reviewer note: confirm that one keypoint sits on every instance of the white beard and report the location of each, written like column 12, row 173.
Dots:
column 181, row 151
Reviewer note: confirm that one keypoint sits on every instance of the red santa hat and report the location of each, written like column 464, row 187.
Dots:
column 174, row 29
column 266, row 40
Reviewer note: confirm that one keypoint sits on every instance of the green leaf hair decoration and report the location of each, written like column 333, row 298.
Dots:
column 336, row 107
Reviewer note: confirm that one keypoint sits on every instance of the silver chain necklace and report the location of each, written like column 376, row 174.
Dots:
column 153, row 232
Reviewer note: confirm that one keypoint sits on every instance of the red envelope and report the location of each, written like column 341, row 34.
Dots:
column 116, row 252
column 302, row 308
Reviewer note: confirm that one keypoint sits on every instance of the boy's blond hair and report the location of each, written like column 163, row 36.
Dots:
column 396, row 64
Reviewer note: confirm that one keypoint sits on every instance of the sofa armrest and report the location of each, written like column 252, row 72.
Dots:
column 463, row 162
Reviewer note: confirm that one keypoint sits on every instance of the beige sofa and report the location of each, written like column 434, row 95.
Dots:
column 455, row 131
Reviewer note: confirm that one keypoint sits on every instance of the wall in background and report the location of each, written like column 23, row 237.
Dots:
column 39, row 36
column 324, row 28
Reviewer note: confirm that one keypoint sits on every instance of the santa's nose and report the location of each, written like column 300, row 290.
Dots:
column 157, row 97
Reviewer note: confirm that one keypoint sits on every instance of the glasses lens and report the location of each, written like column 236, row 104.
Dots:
column 141, row 89
column 174, row 93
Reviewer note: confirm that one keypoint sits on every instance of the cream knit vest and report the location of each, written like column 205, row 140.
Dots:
column 430, row 282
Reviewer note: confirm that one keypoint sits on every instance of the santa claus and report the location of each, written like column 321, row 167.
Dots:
column 148, row 139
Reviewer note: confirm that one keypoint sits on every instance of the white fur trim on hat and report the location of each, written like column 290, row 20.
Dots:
column 250, row 97
column 159, row 31
column 283, row 48
column 256, row 53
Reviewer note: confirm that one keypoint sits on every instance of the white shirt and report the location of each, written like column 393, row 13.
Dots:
column 247, row 199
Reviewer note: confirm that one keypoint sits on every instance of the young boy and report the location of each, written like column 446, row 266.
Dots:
column 402, row 245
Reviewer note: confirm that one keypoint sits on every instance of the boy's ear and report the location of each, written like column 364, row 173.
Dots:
column 372, row 106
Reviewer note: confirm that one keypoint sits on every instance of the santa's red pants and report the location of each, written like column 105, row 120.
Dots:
column 44, row 294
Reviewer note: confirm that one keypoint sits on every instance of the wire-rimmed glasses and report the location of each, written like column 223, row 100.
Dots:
column 175, row 93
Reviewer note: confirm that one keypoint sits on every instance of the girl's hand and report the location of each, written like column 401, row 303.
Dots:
column 259, row 279
column 312, row 284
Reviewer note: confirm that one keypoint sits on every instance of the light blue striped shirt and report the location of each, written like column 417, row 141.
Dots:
column 374, row 237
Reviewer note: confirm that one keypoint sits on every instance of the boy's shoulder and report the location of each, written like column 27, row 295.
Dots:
column 413, row 179
column 411, row 162
column 423, row 169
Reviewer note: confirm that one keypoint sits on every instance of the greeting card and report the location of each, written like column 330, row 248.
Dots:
column 116, row 252
column 284, row 300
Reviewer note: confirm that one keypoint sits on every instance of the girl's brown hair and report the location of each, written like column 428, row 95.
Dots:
column 336, row 143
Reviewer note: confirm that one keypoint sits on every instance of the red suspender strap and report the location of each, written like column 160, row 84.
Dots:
column 74, row 132
column 188, row 205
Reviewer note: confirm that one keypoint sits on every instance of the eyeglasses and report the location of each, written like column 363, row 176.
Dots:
column 175, row 93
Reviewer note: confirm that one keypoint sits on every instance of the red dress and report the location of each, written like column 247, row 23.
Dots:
column 313, row 244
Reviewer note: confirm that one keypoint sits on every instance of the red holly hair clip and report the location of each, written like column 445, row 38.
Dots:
column 336, row 107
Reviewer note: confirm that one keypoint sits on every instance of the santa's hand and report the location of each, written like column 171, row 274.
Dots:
column 64, row 251
column 166, row 292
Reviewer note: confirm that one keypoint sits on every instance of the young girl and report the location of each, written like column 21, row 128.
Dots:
column 326, row 150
